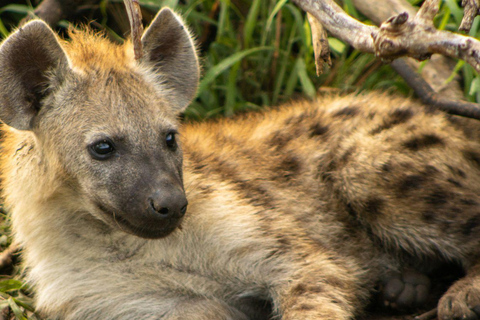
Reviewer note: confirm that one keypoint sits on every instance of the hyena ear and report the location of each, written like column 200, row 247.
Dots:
column 169, row 48
column 28, row 59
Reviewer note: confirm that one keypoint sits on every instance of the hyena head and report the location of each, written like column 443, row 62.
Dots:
column 105, row 124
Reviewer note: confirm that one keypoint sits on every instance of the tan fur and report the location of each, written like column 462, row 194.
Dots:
column 306, row 206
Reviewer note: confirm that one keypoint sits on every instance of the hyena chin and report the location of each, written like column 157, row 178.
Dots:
column 293, row 213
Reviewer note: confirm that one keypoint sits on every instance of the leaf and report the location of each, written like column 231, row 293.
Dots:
column 456, row 11
column 3, row 30
column 10, row 285
column 251, row 22
column 16, row 309
column 336, row 45
column 274, row 12
column 475, row 86
column 17, row 8
column 307, row 85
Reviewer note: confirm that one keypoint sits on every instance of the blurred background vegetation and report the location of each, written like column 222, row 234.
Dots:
column 258, row 52
column 254, row 53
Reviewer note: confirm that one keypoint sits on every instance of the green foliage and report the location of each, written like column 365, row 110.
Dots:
column 256, row 53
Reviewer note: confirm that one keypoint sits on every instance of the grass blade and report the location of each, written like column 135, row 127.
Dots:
column 251, row 23
column 215, row 71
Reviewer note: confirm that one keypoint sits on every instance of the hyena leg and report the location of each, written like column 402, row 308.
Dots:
column 323, row 288
column 462, row 300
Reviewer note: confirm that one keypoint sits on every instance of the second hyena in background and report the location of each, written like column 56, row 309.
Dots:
column 306, row 207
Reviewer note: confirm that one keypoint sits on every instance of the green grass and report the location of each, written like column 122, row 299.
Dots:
column 254, row 53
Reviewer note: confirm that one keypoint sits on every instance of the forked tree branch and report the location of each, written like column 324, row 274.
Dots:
column 438, row 70
column 399, row 36
column 135, row 17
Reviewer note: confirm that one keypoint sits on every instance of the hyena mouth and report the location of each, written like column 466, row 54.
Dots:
column 144, row 229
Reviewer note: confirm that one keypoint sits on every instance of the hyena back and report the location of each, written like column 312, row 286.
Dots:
column 305, row 207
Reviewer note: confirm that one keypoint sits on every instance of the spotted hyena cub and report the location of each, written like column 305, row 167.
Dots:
column 303, row 208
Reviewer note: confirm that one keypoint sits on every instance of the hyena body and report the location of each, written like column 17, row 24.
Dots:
column 307, row 206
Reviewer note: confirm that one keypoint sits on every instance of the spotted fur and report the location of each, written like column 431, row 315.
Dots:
column 294, row 213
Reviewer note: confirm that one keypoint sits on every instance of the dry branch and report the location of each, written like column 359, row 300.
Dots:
column 472, row 9
column 320, row 44
column 136, row 26
column 430, row 97
column 399, row 36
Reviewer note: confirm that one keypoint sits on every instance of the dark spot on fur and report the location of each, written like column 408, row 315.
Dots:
column 284, row 242
column 471, row 224
column 423, row 141
column 438, row 197
column 250, row 189
column 401, row 115
column 279, row 140
column 346, row 112
column 346, row 156
column 457, row 171
column 326, row 172
column 374, row 206
column 317, row 130
column 299, row 289
column 454, row 182
column 397, row 117
column 428, row 216
column 290, row 166
column 430, row 171
column 257, row 195
column 409, row 183
column 302, row 117
column 351, row 211
column 315, row 289
column 472, row 156
column 386, row 167
column 469, row 202
column 296, row 119
column 198, row 166
column 306, row 306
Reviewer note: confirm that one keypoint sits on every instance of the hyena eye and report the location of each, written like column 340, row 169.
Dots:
column 102, row 150
column 170, row 141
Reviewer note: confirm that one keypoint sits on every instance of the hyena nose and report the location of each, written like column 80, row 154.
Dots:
column 168, row 205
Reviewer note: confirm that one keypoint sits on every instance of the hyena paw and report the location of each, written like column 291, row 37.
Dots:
column 462, row 301
column 406, row 290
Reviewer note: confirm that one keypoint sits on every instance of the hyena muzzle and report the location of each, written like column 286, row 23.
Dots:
column 293, row 213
